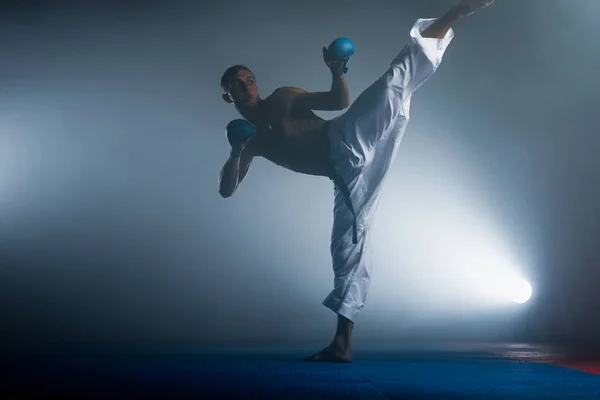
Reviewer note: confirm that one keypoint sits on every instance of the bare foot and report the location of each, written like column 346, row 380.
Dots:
column 330, row 354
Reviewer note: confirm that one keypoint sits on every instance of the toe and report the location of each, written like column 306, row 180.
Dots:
column 328, row 355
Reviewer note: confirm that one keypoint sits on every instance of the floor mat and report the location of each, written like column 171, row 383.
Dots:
column 401, row 372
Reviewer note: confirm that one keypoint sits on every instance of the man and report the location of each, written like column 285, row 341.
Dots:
column 355, row 150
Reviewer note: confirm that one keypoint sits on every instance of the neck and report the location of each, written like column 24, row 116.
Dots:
column 250, row 111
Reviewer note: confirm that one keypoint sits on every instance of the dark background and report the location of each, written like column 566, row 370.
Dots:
column 112, row 138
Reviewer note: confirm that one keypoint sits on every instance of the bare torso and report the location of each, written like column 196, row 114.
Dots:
column 291, row 137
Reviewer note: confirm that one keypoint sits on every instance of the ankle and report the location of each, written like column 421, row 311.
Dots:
column 341, row 342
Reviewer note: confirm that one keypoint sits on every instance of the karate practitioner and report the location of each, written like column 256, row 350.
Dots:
column 354, row 150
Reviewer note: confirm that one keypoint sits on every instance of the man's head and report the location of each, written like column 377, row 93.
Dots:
column 239, row 85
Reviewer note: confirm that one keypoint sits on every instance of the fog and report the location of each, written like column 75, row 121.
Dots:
column 112, row 138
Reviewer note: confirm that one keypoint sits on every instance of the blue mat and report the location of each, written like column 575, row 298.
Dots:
column 428, row 373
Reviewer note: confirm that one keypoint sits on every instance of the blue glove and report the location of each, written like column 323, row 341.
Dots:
column 239, row 132
column 338, row 55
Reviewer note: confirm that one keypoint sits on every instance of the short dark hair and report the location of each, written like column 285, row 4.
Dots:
column 230, row 72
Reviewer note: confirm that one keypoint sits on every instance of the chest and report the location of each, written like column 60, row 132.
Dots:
column 283, row 128
column 281, row 125
column 281, row 120
column 273, row 136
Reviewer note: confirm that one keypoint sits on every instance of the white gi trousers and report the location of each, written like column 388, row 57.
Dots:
column 364, row 142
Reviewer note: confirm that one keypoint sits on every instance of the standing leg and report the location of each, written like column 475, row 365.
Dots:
column 340, row 349
column 352, row 275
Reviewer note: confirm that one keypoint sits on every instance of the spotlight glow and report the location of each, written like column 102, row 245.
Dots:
column 521, row 292
column 501, row 286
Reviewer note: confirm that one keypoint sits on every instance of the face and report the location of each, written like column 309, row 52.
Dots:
column 242, row 87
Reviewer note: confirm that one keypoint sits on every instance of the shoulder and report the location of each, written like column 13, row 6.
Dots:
column 287, row 91
column 287, row 96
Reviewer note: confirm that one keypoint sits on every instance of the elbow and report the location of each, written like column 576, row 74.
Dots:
column 226, row 193
column 342, row 103
column 339, row 105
